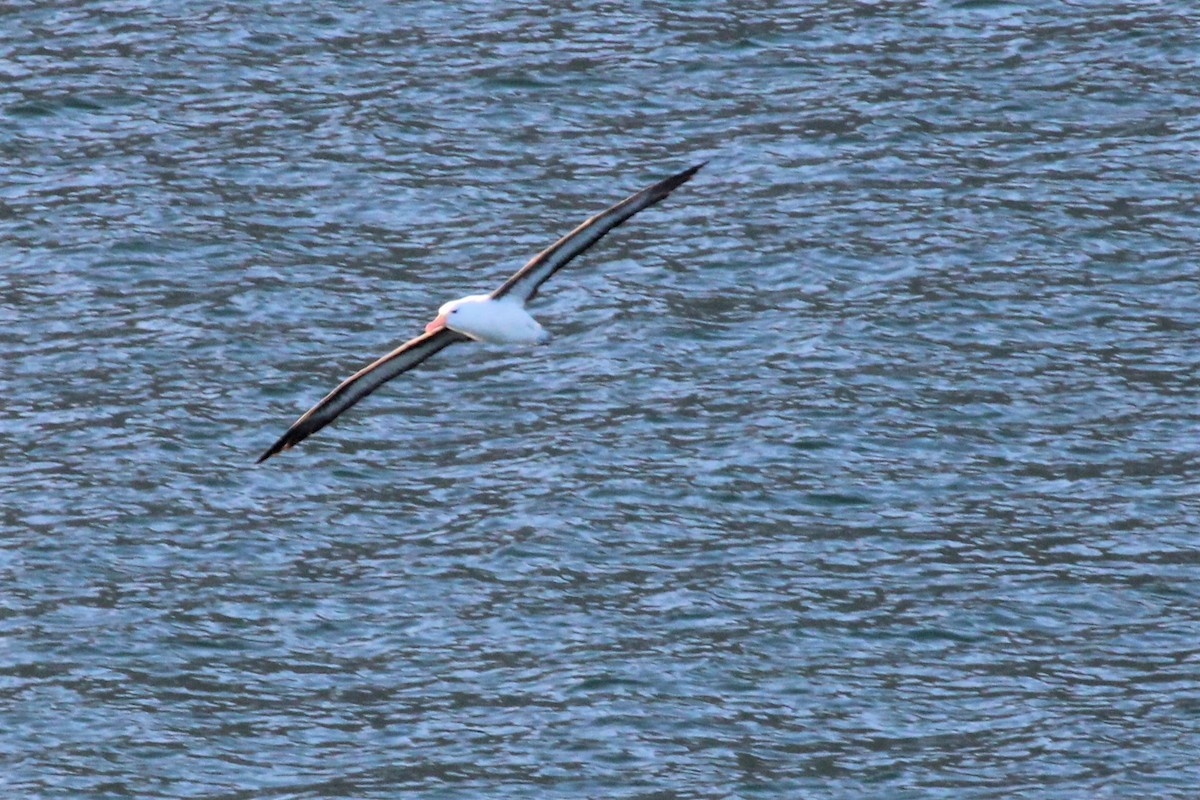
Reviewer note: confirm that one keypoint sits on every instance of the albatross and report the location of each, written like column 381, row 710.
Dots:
column 499, row 317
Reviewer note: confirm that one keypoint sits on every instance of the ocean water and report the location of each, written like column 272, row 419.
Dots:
column 863, row 466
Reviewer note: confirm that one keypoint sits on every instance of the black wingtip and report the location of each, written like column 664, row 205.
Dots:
column 279, row 446
column 675, row 181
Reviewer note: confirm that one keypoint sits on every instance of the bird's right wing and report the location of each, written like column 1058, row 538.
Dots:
column 361, row 384
column 524, row 284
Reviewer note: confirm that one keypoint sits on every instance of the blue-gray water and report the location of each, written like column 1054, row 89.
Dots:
column 863, row 466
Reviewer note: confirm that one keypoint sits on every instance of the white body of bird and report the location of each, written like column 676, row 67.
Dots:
column 484, row 319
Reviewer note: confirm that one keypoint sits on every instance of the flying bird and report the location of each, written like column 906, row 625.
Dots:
column 499, row 317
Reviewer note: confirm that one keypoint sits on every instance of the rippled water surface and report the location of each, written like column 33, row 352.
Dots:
column 863, row 466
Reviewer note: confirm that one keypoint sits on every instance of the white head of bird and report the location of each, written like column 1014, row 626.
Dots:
column 501, row 321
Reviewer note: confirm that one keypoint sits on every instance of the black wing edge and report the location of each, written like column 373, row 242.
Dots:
column 361, row 384
column 542, row 266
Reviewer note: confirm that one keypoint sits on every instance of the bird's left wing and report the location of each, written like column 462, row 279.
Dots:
column 361, row 384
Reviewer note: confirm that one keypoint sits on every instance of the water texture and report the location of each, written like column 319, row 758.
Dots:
column 863, row 466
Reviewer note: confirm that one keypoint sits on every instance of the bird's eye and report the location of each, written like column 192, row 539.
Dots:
column 454, row 311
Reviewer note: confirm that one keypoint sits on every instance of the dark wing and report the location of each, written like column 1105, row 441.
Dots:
column 361, row 384
column 525, row 282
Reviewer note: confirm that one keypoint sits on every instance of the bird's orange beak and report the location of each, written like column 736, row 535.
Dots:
column 438, row 323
